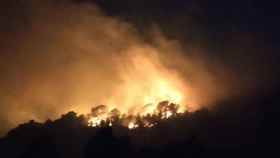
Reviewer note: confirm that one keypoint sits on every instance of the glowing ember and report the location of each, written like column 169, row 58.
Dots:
column 132, row 125
column 168, row 114
column 95, row 121
column 149, row 125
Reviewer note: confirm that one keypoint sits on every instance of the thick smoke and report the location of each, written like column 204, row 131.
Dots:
column 61, row 56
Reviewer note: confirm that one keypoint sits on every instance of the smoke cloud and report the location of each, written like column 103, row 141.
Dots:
column 61, row 56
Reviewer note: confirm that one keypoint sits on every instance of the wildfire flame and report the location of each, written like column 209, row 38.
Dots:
column 164, row 110
column 152, row 106
column 147, row 88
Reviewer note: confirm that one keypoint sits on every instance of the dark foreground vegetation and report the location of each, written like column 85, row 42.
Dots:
column 239, row 129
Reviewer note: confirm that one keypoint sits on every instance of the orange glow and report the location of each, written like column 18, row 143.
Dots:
column 145, row 83
column 132, row 125
column 168, row 114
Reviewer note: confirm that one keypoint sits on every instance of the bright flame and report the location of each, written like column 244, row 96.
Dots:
column 168, row 114
column 145, row 83
column 94, row 121
column 132, row 125
column 97, row 120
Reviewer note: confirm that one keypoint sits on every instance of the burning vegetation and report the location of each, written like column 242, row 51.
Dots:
column 101, row 115
column 148, row 91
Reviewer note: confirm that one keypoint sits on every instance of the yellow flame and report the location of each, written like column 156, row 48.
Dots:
column 168, row 114
column 145, row 83
column 132, row 125
column 97, row 120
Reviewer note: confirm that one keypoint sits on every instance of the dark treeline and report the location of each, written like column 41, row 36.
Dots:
column 237, row 129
